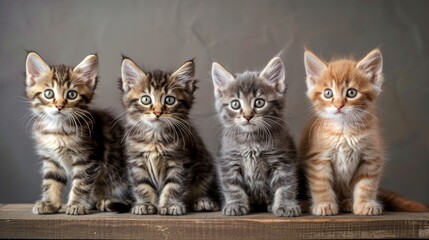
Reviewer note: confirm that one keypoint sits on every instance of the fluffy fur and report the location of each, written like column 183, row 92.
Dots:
column 76, row 143
column 257, row 158
column 342, row 147
column 170, row 168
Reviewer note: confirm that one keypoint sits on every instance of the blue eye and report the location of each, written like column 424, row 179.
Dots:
column 72, row 94
column 351, row 93
column 169, row 100
column 328, row 93
column 48, row 93
column 235, row 104
column 259, row 103
column 146, row 100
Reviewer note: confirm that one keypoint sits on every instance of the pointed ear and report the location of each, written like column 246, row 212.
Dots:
column 314, row 68
column 35, row 67
column 372, row 66
column 88, row 70
column 275, row 73
column 221, row 77
column 131, row 74
column 185, row 75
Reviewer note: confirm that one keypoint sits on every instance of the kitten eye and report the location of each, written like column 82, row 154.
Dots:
column 235, row 104
column 328, row 93
column 259, row 103
column 72, row 94
column 351, row 93
column 49, row 93
column 146, row 100
column 169, row 100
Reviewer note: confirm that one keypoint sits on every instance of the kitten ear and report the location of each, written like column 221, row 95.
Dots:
column 275, row 73
column 131, row 74
column 34, row 67
column 221, row 77
column 372, row 66
column 314, row 68
column 88, row 70
column 185, row 75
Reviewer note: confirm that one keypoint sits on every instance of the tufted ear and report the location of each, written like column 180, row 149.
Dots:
column 314, row 68
column 88, row 70
column 184, row 75
column 221, row 77
column 131, row 74
column 372, row 66
column 275, row 74
column 35, row 67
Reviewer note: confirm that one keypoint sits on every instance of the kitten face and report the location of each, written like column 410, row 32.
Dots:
column 343, row 90
column 59, row 92
column 157, row 98
column 250, row 101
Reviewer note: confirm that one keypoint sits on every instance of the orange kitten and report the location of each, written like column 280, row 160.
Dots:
column 342, row 147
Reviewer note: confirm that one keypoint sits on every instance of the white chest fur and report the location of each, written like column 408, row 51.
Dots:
column 346, row 156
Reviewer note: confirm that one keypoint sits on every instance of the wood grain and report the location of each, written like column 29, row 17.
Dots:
column 17, row 221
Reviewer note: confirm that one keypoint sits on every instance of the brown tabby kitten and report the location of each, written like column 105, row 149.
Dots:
column 74, row 141
column 169, row 166
column 342, row 147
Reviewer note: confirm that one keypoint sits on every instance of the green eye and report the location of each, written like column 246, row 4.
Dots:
column 235, row 104
column 72, row 94
column 259, row 103
column 146, row 100
column 328, row 93
column 169, row 100
column 49, row 93
column 351, row 93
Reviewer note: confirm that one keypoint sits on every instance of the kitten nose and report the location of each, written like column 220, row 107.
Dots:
column 59, row 107
column 339, row 106
column 248, row 117
column 157, row 114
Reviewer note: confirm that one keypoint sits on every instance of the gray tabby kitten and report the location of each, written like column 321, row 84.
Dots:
column 170, row 168
column 75, row 142
column 257, row 159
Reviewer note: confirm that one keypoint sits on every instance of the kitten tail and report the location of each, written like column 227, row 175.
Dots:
column 395, row 202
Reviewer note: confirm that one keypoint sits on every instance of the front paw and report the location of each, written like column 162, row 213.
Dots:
column 42, row 207
column 325, row 209
column 143, row 209
column 102, row 205
column 77, row 209
column 235, row 209
column 287, row 210
column 174, row 209
column 205, row 205
column 367, row 208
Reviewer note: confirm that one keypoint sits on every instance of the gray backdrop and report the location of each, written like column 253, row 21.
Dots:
column 241, row 35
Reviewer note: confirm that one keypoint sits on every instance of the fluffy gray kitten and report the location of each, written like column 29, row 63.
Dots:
column 257, row 159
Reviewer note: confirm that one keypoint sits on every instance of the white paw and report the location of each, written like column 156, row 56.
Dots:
column 287, row 210
column 143, row 209
column 174, row 209
column 77, row 209
column 235, row 209
column 42, row 207
column 205, row 205
column 102, row 205
column 367, row 208
column 325, row 209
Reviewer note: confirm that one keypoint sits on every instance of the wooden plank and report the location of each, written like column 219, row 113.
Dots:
column 17, row 221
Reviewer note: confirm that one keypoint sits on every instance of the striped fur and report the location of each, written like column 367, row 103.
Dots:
column 170, row 168
column 257, row 158
column 76, row 144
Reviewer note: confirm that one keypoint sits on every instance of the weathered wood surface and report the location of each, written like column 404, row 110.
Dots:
column 17, row 221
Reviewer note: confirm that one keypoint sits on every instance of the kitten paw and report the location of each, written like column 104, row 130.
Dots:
column 102, row 205
column 368, row 208
column 205, row 205
column 287, row 210
column 143, row 209
column 325, row 209
column 175, row 209
column 234, row 209
column 41, row 207
column 77, row 209
column 346, row 205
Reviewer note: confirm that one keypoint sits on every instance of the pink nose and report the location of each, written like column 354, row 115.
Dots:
column 248, row 117
column 59, row 107
column 157, row 114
